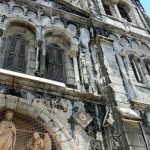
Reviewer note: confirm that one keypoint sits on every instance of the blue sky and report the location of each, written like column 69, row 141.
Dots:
column 146, row 5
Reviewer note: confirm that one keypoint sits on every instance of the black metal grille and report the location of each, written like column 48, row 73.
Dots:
column 26, row 127
column 55, row 63
column 15, row 54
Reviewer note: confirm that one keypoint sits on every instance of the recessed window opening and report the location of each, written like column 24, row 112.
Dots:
column 124, row 13
column 135, row 70
column 55, row 69
column 107, row 8
column 147, row 67
column 15, row 59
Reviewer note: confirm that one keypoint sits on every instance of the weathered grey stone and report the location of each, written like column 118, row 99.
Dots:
column 2, row 100
column 11, row 101
column 96, row 61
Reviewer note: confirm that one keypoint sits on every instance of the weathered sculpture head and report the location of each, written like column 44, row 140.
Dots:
column 9, row 115
column 36, row 136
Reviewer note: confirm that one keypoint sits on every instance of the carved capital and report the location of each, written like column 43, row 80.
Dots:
column 39, row 43
column 115, row 2
column 73, row 53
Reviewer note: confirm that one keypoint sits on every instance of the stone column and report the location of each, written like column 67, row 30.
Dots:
column 135, row 16
column 115, row 2
column 39, row 58
column 117, row 11
column 100, row 5
column 73, row 54
column 144, row 71
column 140, row 71
column 1, row 48
column 129, row 87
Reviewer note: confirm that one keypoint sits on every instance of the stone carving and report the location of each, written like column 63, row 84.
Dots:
column 47, row 142
column 37, row 143
column 93, row 8
column 83, row 118
column 82, row 59
column 114, row 137
column 7, row 132
column 95, row 145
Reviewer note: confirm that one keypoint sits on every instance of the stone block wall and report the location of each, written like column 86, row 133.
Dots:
column 104, row 102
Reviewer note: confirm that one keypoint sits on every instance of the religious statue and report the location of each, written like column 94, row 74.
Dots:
column 7, row 132
column 37, row 143
column 47, row 142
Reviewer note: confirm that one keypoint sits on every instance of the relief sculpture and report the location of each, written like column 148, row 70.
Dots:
column 7, row 132
column 37, row 143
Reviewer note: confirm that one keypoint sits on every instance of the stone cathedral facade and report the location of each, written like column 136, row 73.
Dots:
column 76, row 71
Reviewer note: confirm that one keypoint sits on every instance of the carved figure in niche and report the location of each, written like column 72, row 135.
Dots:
column 37, row 143
column 7, row 132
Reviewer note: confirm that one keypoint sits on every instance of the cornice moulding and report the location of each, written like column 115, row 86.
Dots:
column 52, row 87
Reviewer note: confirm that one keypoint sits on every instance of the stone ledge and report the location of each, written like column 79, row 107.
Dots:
column 133, row 30
column 128, row 114
column 56, row 11
column 140, row 105
column 44, row 85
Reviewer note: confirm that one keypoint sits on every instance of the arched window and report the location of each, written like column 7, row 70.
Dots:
column 14, row 58
column 147, row 65
column 148, row 68
column 123, row 12
column 136, row 69
column 106, row 8
column 54, row 64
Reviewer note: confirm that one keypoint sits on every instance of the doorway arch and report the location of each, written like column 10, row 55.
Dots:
column 35, row 117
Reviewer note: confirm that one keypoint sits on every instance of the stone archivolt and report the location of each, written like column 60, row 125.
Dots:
column 30, row 132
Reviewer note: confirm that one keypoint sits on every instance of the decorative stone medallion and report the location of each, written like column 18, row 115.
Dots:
column 83, row 118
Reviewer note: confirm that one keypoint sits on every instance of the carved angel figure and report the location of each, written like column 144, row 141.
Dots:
column 37, row 143
column 7, row 132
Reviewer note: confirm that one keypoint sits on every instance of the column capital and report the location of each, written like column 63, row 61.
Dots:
column 115, row 2
column 39, row 43
column 73, row 53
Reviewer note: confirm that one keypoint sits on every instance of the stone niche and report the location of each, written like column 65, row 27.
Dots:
column 26, row 126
